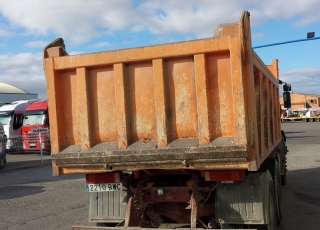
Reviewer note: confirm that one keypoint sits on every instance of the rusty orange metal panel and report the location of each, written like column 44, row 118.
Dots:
column 226, row 29
column 276, row 113
column 265, row 112
column 103, row 107
column 272, row 117
column 53, row 114
column 221, row 98
column 267, row 105
column 274, row 68
column 83, row 110
column 202, row 104
column 187, row 48
column 270, row 123
column 120, row 92
column 67, row 107
column 141, row 101
column 160, row 103
column 201, row 74
column 238, row 91
column 182, row 97
column 258, row 97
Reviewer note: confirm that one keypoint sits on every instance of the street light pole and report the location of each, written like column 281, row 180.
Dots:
column 287, row 87
column 309, row 38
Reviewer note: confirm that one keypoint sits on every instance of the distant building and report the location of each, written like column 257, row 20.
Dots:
column 303, row 100
column 10, row 93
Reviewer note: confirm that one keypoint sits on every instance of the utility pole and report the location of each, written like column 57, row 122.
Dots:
column 310, row 37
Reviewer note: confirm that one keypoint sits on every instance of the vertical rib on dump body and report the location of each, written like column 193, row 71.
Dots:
column 201, row 104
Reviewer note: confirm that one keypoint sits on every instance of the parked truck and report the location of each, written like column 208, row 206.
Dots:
column 35, row 127
column 185, row 134
column 11, row 118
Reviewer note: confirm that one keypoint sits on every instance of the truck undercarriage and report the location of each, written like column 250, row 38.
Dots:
column 186, row 199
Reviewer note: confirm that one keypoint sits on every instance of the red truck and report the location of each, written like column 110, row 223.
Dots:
column 35, row 128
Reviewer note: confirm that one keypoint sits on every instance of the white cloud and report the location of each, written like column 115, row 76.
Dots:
column 36, row 44
column 307, row 20
column 298, row 11
column 101, row 45
column 81, row 20
column 302, row 80
column 78, row 21
column 257, row 35
column 24, row 71
column 5, row 33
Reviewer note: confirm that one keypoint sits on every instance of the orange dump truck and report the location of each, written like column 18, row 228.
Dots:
column 183, row 134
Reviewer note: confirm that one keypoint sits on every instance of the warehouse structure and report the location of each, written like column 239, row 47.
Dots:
column 303, row 100
column 10, row 93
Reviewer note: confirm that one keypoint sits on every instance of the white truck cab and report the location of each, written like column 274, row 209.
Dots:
column 11, row 118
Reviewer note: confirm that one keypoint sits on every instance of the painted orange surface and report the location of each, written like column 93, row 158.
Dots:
column 213, row 92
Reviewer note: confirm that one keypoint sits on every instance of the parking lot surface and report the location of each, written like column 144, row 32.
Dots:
column 26, row 160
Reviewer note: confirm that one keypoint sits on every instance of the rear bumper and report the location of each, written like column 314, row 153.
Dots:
column 104, row 159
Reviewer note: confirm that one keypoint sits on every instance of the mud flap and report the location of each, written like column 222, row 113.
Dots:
column 108, row 207
column 244, row 202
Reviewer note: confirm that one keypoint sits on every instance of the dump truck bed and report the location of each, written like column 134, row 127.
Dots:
column 202, row 104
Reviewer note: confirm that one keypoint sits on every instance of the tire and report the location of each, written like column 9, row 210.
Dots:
column 304, row 120
column 283, row 136
column 278, row 192
column 272, row 225
column 2, row 163
column 272, row 166
column 271, row 212
column 311, row 120
column 284, row 176
column 317, row 119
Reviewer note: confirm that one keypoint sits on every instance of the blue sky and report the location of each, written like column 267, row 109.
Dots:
column 99, row 25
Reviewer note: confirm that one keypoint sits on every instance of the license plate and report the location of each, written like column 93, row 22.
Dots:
column 103, row 187
column 32, row 145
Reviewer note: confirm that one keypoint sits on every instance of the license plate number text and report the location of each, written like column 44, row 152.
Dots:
column 103, row 187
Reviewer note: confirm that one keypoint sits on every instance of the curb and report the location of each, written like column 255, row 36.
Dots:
column 26, row 164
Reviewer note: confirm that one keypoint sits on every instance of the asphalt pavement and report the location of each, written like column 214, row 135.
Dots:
column 26, row 160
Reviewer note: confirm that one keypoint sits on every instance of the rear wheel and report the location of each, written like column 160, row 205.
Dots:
column 270, row 212
column 278, row 190
column 272, row 225
column 2, row 163
column 284, row 176
column 273, row 167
